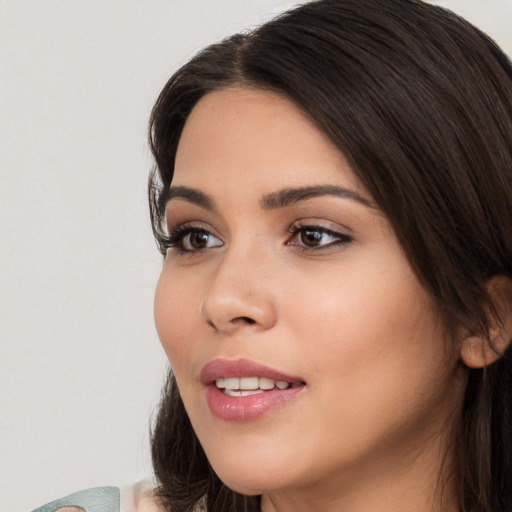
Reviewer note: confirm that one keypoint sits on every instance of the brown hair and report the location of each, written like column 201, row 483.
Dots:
column 420, row 103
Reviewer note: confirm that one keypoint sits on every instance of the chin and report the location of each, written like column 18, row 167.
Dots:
column 250, row 474
column 249, row 484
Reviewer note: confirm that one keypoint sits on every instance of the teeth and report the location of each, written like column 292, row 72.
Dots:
column 232, row 383
column 232, row 392
column 265, row 383
column 249, row 383
column 245, row 386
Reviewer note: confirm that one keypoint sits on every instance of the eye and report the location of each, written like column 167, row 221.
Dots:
column 198, row 239
column 316, row 237
column 189, row 239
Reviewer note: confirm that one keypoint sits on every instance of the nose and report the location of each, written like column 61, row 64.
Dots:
column 239, row 295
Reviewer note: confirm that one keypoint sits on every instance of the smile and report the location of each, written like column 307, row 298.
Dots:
column 246, row 386
column 243, row 390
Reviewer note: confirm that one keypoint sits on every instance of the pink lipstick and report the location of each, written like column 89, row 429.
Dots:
column 243, row 390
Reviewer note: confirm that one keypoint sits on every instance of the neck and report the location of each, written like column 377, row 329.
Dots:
column 423, row 480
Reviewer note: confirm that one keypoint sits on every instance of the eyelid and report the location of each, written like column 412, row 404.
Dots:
column 342, row 238
column 192, row 224
column 321, row 224
column 176, row 234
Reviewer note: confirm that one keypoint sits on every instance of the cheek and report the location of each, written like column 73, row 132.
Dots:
column 176, row 302
column 371, row 330
column 358, row 306
column 376, row 358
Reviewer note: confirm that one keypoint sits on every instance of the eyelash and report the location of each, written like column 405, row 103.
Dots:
column 340, row 238
column 175, row 239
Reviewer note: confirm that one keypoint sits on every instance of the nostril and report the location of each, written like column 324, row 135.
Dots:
column 239, row 319
column 244, row 319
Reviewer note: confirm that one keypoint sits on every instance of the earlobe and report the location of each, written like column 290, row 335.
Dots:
column 478, row 351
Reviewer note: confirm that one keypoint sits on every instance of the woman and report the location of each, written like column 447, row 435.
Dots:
column 333, row 197
column 332, row 194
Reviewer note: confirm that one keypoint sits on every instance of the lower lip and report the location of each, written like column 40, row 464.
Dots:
column 247, row 408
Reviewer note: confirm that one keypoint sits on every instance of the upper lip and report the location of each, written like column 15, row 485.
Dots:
column 223, row 368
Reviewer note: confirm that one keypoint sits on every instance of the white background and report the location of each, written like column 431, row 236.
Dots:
column 80, row 362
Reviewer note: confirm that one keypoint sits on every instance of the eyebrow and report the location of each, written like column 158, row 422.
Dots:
column 191, row 195
column 274, row 200
column 289, row 196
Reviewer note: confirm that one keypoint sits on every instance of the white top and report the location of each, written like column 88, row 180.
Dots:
column 139, row 497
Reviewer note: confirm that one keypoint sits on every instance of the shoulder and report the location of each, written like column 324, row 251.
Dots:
column 97, row 499
column 134, row 498
column 139, row 497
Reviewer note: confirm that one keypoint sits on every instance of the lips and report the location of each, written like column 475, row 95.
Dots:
column 243, row 390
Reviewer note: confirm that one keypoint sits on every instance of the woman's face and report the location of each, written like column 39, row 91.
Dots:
column 284, row 281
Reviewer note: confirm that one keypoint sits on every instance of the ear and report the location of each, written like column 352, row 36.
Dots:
column 478, row 351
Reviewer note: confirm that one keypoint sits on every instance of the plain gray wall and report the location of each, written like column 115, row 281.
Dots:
column 80, row 363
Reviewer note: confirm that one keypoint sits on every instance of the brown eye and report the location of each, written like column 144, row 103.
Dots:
column 311, row 237
column 198, row 239
column 317, row 238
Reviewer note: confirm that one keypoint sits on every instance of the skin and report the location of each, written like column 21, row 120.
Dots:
column 344, row 311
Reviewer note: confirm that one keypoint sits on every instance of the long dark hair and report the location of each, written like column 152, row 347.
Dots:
column 420, row 103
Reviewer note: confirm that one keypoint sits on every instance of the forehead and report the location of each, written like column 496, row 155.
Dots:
column 258, row 137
